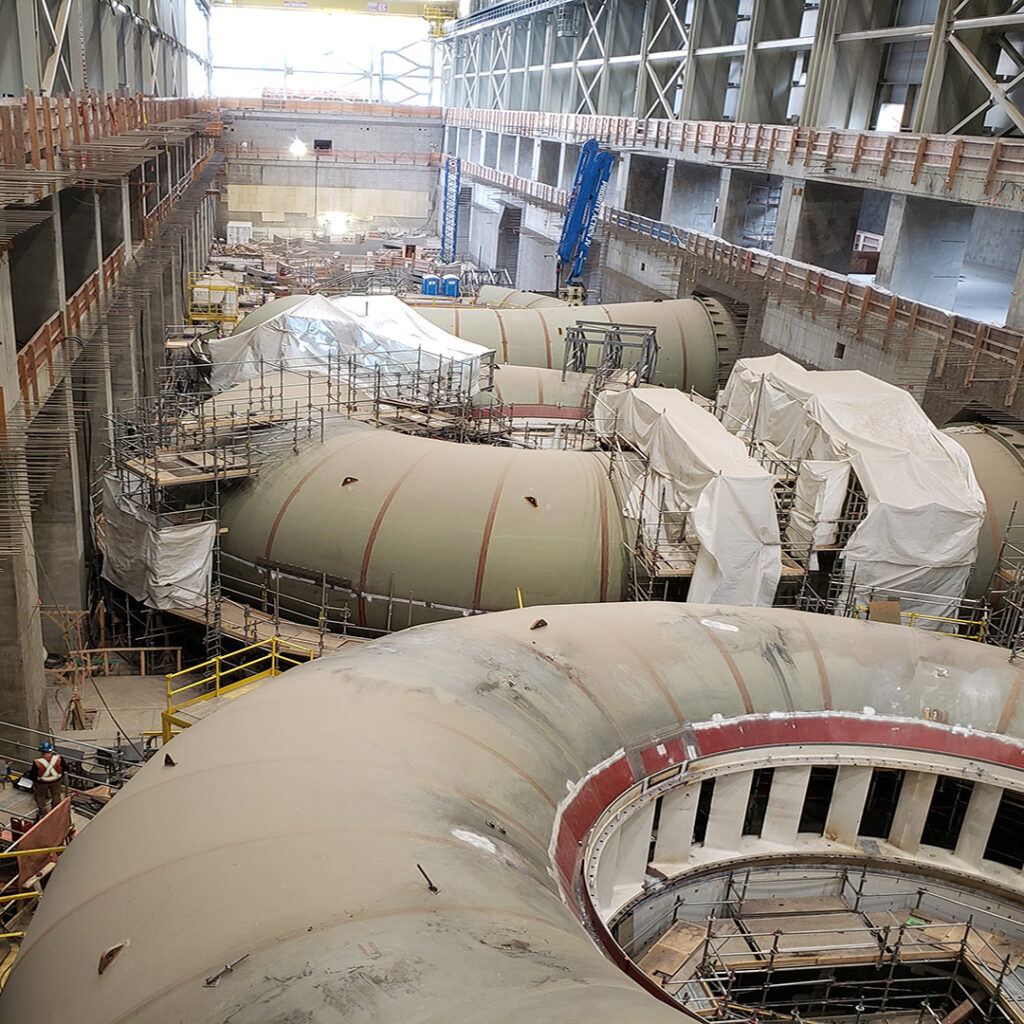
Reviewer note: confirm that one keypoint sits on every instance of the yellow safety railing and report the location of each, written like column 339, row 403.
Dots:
column 965, row 629
column 221, row 675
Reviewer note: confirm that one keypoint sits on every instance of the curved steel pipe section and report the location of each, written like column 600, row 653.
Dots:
column 513, row 298
column 524, row 391
column 697, row 338
column 419, row 530
column 997, row 458
column 278, row 869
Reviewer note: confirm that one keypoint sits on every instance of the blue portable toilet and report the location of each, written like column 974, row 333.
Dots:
column 450, row 285
column 431, row 284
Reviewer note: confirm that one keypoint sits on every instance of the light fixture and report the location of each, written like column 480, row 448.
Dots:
column 297, row 148
column 336, row 222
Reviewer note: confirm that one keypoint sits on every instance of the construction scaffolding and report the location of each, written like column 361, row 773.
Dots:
column 852, row 953
column 662, row 545
column 1006, row 589
column 612, row 342
column 173, row 455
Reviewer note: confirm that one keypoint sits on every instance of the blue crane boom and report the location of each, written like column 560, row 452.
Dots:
column 592, row 173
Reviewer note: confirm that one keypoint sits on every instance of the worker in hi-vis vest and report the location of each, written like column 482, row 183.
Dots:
column 47, row 775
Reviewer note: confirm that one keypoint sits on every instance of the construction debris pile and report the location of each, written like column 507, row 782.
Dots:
column 363, row 264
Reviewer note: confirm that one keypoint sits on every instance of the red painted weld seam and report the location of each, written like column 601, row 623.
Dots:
column 654, row 677
column 492, row 512
column 372, row 539
column 1011, row 703
column 508, row 762
column 504, row 340
column 819, row 661
column 287, row 501
column 741, row 685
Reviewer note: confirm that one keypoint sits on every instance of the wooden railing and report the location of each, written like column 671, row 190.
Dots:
column 34, row 129
column 44, row 359
column 340, row 156
column 989, row 163
column 112, row 267
column 48, row 352
column 327, row 106
column 855, row 306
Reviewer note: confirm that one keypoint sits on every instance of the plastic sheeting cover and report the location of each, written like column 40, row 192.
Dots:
column 924, row 506
column 376, row 332
column 165, row 568
column 697, row 466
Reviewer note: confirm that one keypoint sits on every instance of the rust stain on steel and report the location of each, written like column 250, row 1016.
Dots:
column 540, row 390
column 819, row 661
column 504, row 338
column 1011, row 703
column 605, row 555
column 287, row 501
column 741, row 683
column 492, row 512
column 372, row 538
column 528, row 779
column 547, row 338
column 456, row 320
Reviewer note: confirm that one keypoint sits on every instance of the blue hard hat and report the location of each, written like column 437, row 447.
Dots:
column 46, row 746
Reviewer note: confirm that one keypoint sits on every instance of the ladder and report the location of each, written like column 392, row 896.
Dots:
column 450, row 212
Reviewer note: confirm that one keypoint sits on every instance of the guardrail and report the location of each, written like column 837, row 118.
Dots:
column 47, row 356
column 328, row 106
column 991, row 163
column 221, row 675
column 48, row 349
column 855, row 306
column 34, row 129
column 339, row 156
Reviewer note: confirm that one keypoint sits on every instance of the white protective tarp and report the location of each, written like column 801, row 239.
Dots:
column 818, row 503
column 698, row 467
column 924, row 506
column 167, row 567
column 321, row 335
